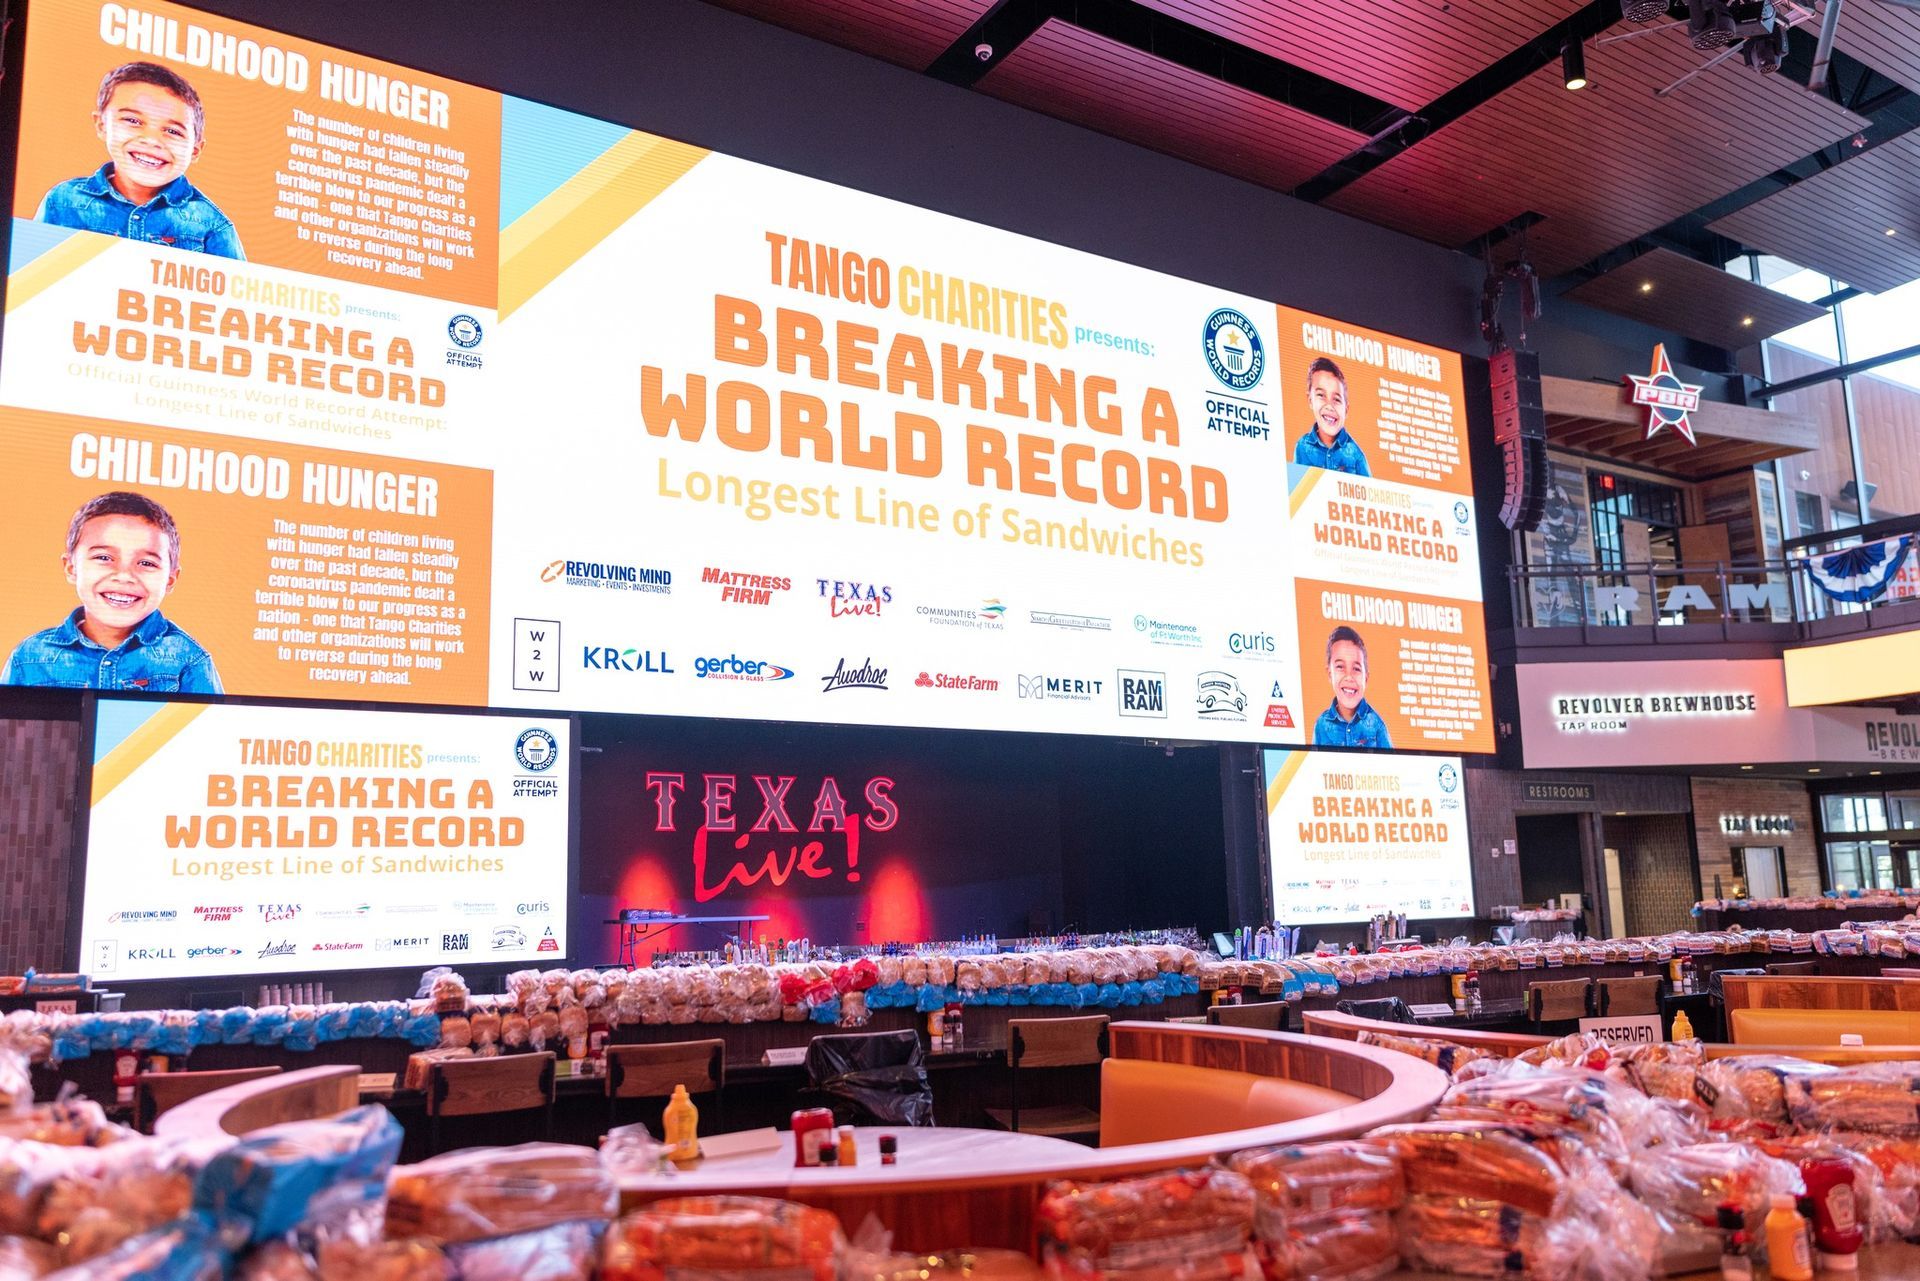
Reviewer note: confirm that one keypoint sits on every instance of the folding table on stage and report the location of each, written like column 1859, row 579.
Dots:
column 638, row 924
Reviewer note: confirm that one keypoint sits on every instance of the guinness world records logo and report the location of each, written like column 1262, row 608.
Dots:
column 1233, row 349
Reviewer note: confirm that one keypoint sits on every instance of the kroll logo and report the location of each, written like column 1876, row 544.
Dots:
column 609, row 576
column 612, row 658
column 1142, row 693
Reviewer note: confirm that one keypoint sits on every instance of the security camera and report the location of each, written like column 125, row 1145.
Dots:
column 983, row 51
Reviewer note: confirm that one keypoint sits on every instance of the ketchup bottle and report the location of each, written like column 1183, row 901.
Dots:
column 1836, row 1219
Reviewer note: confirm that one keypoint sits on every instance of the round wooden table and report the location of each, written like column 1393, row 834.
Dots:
column 925, row 1152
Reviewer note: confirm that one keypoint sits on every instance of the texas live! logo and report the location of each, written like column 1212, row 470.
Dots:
column 848, row 598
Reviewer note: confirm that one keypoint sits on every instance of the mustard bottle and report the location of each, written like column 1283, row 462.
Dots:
column 1682, row 1027
column 681, row 1126
column 1788, row 1257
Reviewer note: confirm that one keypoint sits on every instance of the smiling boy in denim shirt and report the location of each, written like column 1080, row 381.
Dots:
column 153, row 126
column 123, row 557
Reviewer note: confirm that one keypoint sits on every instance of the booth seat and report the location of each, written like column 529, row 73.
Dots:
column 1822, row 1027
column 1144, row 1101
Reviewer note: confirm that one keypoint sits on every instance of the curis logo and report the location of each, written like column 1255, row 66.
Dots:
column 271, row 912
column 611, row 658
column 956, row 681
column 211, row 914
column 608, row 576
column 865, row 676
column 735, row 668
column 1142, row 693
column 1251, row 643
column 536, row 749
column 740, row 588
column 1233, row 350
column 849, row 599
column 539, row 907
column 777, row 818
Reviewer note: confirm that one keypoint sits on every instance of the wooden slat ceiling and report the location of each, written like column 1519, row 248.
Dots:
column 1598, row 418
column 1096, row 82
column 1884, row 36
column 1837, row 222
column 1693, row 298
column 1407, row 52
column 1605, row 164
column 911, row 33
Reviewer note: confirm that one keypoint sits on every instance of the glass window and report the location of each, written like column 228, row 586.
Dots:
column 1886, row 401
column 1903, row 810
column 1867, row 813
column 1843, row 865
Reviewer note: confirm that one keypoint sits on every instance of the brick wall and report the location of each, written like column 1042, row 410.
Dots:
column 1495, row 796
column 1713, row 797
column 1657, row 872
column 38, row 762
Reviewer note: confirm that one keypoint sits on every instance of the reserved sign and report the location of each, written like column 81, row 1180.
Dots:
column 1629, row 1029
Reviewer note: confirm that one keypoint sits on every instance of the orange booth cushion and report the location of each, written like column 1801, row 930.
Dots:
column 1142, row 1101
column 1822, row 1027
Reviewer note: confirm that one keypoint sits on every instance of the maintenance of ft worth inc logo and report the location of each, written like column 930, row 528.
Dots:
column 1668, row 400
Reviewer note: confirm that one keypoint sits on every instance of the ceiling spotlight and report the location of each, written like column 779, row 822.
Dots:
column 1891, row 231
column 1746, row 322
column 1813, row 769
column 1709, row 25
column 1765, row 53
column 1573, row 61
column 1746, row 767
column 1646, row 286
column 1643, row 10
column 1873, row 771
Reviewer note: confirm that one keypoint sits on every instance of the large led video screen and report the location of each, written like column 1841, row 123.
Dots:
column 1351, row 835
column 243, row 839
column 428, row 394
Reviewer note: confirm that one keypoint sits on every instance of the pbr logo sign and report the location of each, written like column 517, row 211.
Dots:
column 1668, row 400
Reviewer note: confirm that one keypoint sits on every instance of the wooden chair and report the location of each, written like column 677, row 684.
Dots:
column 1796, row 967
column 1559, row 1000
column 1899, row 972
column 1270, row 1016
column 157, row 1092
column 1051, row 1043
column 1618, row 998
column 482, row 1087
column 651, row 1072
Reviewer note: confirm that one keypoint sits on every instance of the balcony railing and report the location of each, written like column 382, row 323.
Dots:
column 1691, row 596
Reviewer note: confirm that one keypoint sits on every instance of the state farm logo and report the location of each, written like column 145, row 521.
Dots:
column 271, row 912
column 1142, row 693
column 956, row 681
column 864, row 676
column 1073, row 689
column 211, row 914
column 737, row 587
column 849, row 599
column 339, row 947
column 276, row 949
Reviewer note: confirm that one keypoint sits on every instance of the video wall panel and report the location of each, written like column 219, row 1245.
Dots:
column 424, row 393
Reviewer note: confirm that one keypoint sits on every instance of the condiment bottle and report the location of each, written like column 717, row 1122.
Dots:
column 829, row 1155
column 681, row 1126
column 849, row 1155
column 1682, row 1027
column 1836, row 1219
column 1788, row 1257
column 889, row 1149
column 812, row 1130
column 1736, row 1256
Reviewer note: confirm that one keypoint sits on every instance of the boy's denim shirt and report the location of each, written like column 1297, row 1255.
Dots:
column 1344, row 454
column 158, row 658
column 1366, row 729
column 177, row 215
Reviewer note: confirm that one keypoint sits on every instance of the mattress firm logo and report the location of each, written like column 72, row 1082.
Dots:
column 1618, row 713
column 608, row 576
column 737, row 587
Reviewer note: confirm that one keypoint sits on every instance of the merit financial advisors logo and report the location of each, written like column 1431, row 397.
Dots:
column 865, row 676
column 1072, row 689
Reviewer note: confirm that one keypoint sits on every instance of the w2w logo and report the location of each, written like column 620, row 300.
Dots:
column 536, row 654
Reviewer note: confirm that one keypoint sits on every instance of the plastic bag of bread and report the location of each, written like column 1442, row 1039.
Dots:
column 1879, row 1098
column 340, row 1240
column 516, row 1030
column 1751, row 1085
column 456, row 1030
column 1685, row 1186
column 23, row 1259
column 949, row 1265
column 1895, row 1214
column 940, row 970
column 1325, row 1210
column 16, row 1082
column 264, row 1184
column 1582, row 1102
column 485, row 1026
column 1445, row 1055
column 184, row 1249
column 483, row 1192
column 420, row 1064
column 1186, row 1224
column 1663, row 1069
column 543, row 1029
column 1492, row 1200
column 1576, row 1049
column 135, row 1188
column 560, row 1252
column 722, row 1238
column 74, row 1121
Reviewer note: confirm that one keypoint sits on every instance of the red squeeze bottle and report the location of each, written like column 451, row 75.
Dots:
column 1836, row 1220
column 812, row 1131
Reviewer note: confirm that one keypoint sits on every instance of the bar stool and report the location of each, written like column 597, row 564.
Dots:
column 1269, row 1016
column 1051, row 1043
column 1618, row 998
column 651, row 1072
column 1559, row 1001
column 483, row 1087
column 157, row 1092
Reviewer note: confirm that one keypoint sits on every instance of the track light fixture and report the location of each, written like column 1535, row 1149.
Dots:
column 1643, row 10
column 1573, row 61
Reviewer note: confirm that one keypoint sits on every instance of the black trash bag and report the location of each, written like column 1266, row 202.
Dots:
column 874, row 1079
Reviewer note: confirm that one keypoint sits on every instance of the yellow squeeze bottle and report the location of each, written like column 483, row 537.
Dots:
column 681, row 1126
column 1788, row 1258
column 1682, row 1027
